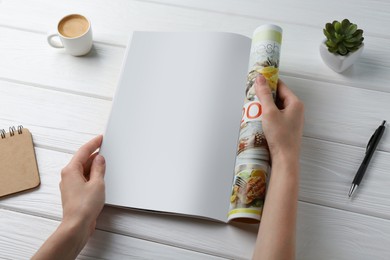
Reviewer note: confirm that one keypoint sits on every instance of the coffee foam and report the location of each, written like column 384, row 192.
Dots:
column 73, row 26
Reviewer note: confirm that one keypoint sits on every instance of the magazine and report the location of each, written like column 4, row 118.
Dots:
column 184, row 135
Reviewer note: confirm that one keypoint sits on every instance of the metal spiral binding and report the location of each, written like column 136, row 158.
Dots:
column 12, row 131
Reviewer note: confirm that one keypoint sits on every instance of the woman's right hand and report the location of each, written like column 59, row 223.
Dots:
column 283, row 125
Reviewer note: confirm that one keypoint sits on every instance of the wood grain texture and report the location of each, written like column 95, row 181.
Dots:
column 58, row 120
column 325, row 233
column 65, row 101
column 322, row 234
column 234, row 241
column 27, row 58
column 306, row 12
column 342, row 114
column 334, row 113
column 300, row 49
column 325, row 179
column 22, row 235
column 327, row 170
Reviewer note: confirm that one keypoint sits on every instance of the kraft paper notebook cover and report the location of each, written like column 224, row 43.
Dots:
column 18, row 165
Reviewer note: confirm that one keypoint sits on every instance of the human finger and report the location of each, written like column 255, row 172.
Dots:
column 285, row 95
column 85, row 151
column 98, row 168
column 88, row 164
column 263, row 93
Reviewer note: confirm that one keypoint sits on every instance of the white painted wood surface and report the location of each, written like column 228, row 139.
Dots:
column 102, row 245
column 65, row 101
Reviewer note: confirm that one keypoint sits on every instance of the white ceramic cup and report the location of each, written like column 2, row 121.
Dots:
column 75, row 35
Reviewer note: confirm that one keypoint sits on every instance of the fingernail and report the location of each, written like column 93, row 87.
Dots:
column 260, row 80
column 100, row 159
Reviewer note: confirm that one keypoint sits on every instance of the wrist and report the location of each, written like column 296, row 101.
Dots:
column 75, row 230
column 66, row 242
column 286, row 157
column 286, row 164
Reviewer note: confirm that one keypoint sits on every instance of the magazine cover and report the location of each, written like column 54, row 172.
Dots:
column 252, row 162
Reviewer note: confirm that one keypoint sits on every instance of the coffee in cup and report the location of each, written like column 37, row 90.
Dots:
column 75, row 34
column 73, row 26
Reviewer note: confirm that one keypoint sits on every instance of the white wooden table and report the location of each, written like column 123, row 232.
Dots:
column 65, row 101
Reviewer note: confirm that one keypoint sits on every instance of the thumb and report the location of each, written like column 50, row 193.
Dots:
column 263, row 92
column 98, row 167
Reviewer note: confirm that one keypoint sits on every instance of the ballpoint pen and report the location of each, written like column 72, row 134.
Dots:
column 371, row 146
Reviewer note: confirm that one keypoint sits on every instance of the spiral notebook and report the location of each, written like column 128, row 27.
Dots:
column 18, row 165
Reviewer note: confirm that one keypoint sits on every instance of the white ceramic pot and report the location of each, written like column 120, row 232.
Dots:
column 339, row 63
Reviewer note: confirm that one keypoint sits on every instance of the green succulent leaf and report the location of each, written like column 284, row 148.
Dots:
column 349, row 45
column 332, row 50
column 351, row 29
column 338, row 36
column 344, row 25
column 358, row 33
column 343, row 37
column 354, row 39
column 330, row 43
column 327, row 34
column 342, row 50
column 337, row 27
column 329, row 28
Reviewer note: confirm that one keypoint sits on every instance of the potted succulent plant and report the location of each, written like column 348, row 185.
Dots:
column 342, row 46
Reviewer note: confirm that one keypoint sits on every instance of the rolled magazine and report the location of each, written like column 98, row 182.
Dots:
column 252, row 166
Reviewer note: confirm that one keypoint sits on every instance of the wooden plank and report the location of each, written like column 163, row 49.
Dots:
column 320, row 233
column 333, row 112
column 194, row 234
column 300, row 54
column 327, row 106
column 326, row 174
column 58, row 120
column 22, row 235
column 93, row 75
column 304, row 13
column 322, row 183
column 325, row 233
column 307, row 12
column 327, row 171
column 233, row 241
column 340, row 113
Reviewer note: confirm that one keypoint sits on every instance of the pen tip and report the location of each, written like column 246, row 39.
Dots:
column 352, row 190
